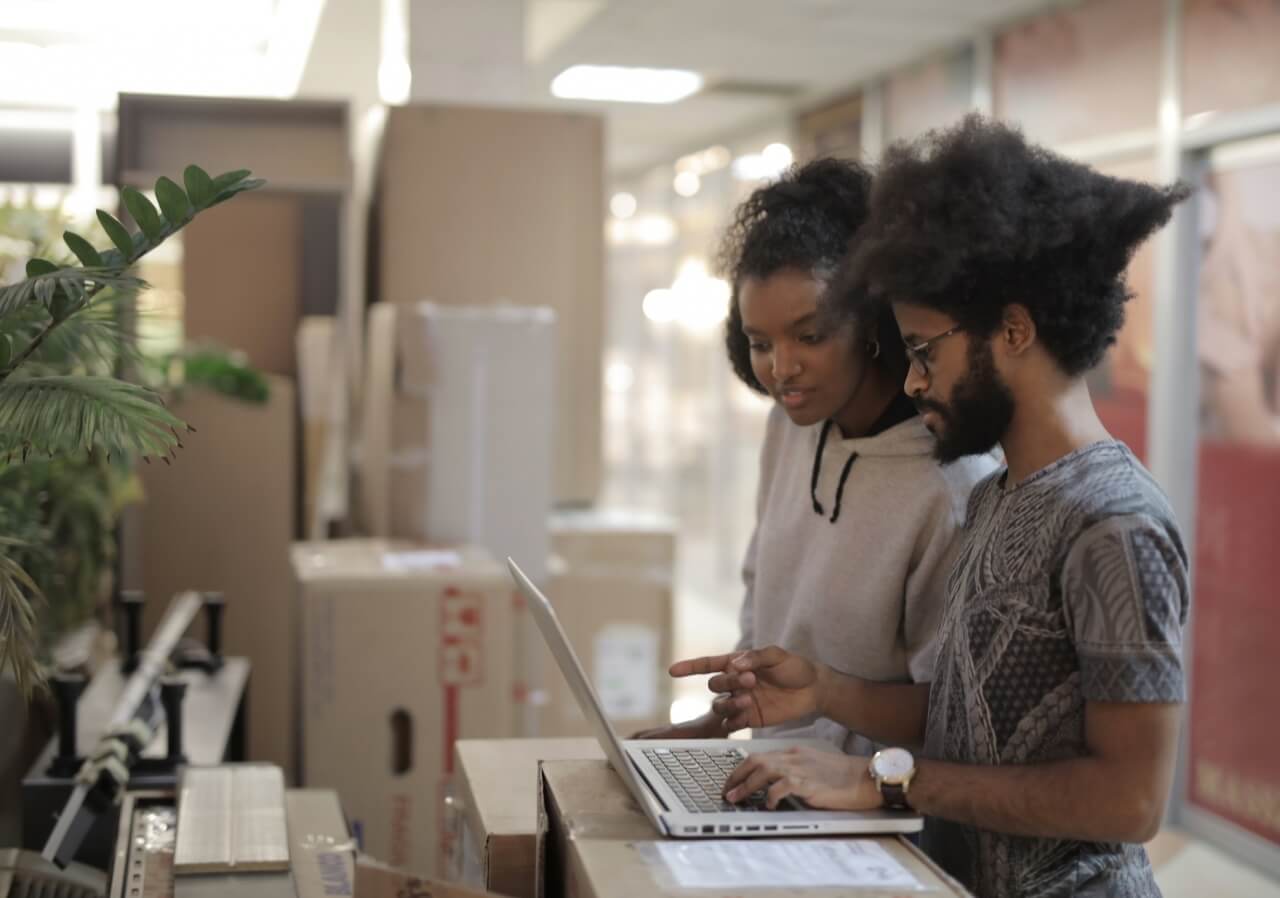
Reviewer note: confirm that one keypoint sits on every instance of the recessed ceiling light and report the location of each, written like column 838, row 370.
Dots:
column 621, row 84
column 687, row 183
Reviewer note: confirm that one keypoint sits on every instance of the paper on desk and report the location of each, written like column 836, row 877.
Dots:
column 763, row 864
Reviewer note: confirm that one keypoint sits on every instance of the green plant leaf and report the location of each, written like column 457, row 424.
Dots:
column 118, row 233
column 173, row 202
column 83, row 249
column 223, row 372
column 18, row 596
column 239, row 187
column 67, row 414
column 143, row 213
column 61, row 305
column 91, row 341
column 73, row 281
column 6, row 349
column 37, row 267
column 199, row 186
column 229, row 179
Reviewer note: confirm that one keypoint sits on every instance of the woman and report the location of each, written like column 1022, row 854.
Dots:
column 856, row 523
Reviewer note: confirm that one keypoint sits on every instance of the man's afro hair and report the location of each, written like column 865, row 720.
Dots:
column 973, row 218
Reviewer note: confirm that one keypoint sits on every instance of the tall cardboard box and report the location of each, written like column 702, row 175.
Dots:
column 477, row 389
column 404, row 651
column 611, row 583
column 222, row 518
column 451, row 200
column 594, row 842
column 494, row 814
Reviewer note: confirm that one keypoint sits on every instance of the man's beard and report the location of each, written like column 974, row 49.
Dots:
column 979, row 412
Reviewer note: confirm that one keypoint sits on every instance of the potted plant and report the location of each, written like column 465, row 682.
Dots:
column 63, row 401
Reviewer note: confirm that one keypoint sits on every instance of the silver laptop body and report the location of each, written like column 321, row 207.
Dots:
column 678, row 782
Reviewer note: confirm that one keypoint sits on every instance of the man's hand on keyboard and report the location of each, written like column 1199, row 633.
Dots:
column 822, row 779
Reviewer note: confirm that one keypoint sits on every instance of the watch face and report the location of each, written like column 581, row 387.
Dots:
column 893, row 765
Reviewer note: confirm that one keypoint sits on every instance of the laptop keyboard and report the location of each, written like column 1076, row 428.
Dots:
column 697, row 777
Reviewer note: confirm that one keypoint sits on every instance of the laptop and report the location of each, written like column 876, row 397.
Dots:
column 678, row 782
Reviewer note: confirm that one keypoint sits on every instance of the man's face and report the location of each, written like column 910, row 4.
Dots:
column 953, row 380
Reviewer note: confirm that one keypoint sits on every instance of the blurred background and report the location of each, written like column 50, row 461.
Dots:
column 584, row 156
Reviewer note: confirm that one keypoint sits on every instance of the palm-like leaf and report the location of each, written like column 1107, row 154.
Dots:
column 73, row 282
column 89, row 342
column 75, row 413
column 51, row 401
column 17, row 620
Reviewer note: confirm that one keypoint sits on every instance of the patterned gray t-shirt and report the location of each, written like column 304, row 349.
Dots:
column 1069, row 587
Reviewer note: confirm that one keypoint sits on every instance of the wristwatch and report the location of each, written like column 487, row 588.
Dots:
column 892, row 770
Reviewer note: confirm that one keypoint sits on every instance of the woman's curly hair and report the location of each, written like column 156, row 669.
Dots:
column 802, row 221
column 971, row 219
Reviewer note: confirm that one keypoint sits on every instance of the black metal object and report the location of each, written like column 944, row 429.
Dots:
column 67, row 688
column 205, row 711
column 129, row 604
column 172, row 690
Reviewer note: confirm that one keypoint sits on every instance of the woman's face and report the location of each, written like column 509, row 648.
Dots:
column 807, row 362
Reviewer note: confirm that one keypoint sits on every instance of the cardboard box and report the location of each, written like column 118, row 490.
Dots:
column 456, row 442
column 374, row 445
column 404, row 651
column 594, row 842
column 322, row 401
column 324, row 863
column 484, row 381
column 254, row 304
column 222, row 518
column 440, row 227
column 495, row 812
column 612, row 587
column 614, row 538
column 619, row 624
column 375, row 879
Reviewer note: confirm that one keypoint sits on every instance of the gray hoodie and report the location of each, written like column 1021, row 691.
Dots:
column 864, row 593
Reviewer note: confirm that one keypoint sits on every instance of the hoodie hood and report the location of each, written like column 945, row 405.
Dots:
column 907, row 438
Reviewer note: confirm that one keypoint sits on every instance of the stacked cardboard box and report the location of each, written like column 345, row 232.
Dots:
column 457, row 431
column 611, row 585
column 594, row 842
column 494, row 813
column 457, row 223
column 404, row 651
column 222, row 518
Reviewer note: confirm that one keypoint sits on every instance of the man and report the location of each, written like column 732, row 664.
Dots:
column 1050, row 731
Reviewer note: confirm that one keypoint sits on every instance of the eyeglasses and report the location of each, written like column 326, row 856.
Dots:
column 918, row 355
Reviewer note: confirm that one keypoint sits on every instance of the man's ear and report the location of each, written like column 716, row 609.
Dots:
column 1017, row 330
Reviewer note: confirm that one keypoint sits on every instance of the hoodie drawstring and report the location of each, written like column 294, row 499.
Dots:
column 817, row 469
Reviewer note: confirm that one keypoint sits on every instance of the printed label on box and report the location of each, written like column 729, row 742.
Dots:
column 626, row 670
column 462, row 638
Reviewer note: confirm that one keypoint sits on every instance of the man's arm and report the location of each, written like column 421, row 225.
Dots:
column 1116, row 793
column 887, row 713
column 769, row 686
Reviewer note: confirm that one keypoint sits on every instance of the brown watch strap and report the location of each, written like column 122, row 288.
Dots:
column 895, row 797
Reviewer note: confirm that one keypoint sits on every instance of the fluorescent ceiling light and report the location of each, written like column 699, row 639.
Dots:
column 625, row 85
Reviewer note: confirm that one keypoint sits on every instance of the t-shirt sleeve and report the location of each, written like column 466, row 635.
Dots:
column 1126, row 595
